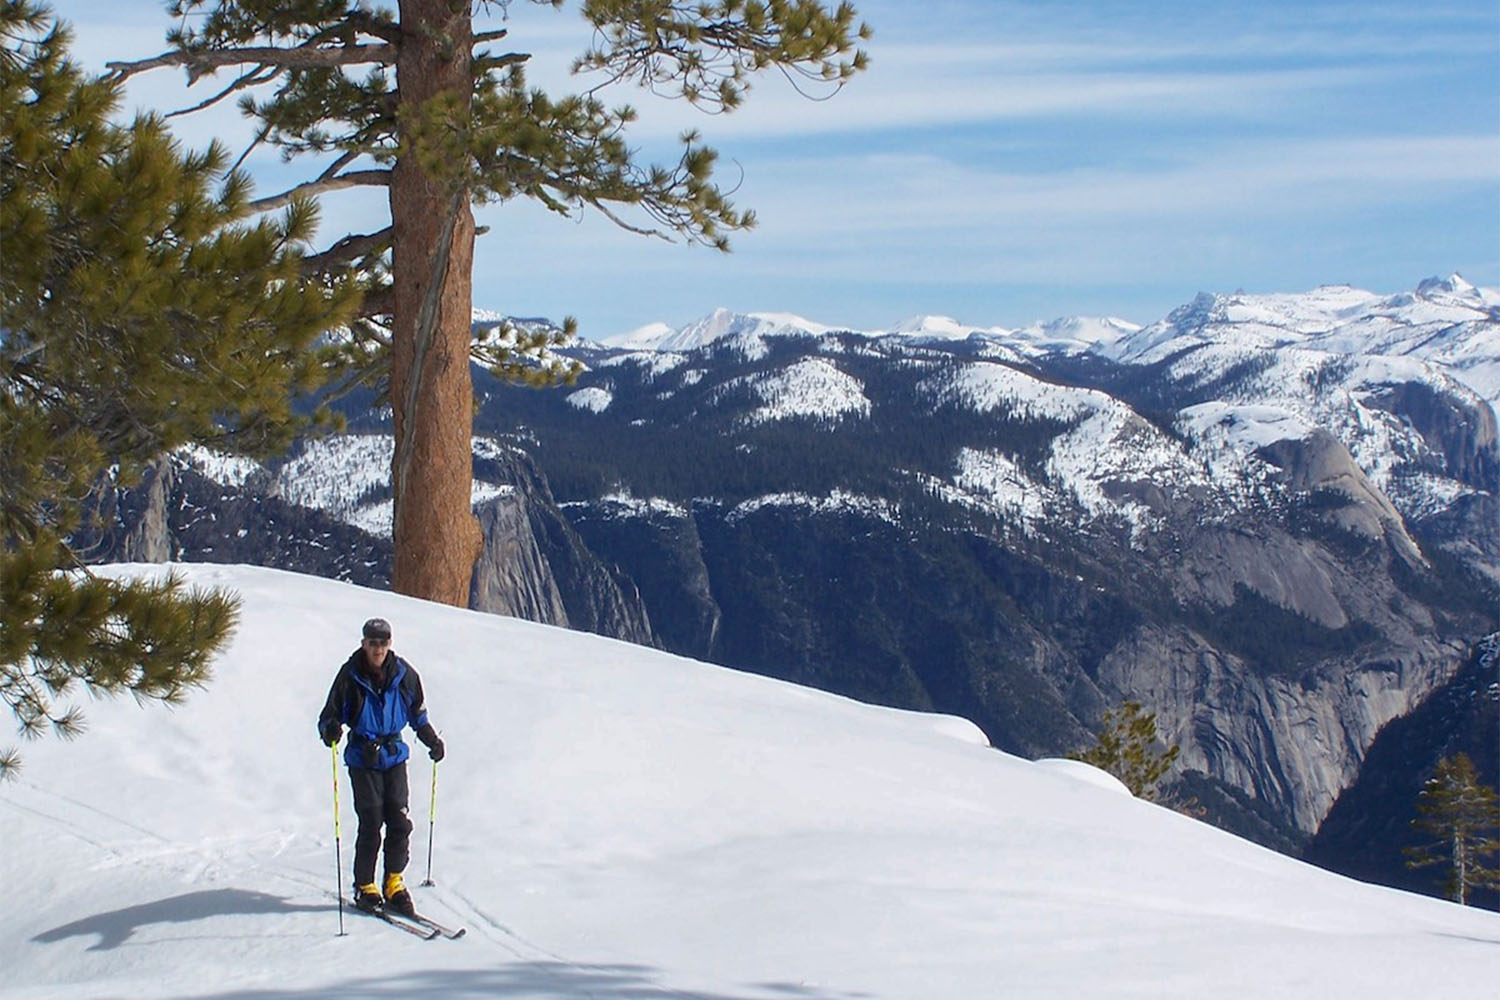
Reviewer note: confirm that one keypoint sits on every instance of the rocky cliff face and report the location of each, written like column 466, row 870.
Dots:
column 1364, row 833
column 150, row 539
column 661, row 546
column 1292, row 742
column 1270, row 659
column 535, row 565
column 178, row 512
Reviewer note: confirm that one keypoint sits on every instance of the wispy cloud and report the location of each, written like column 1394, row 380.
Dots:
column 925, row 191
column 955, row 95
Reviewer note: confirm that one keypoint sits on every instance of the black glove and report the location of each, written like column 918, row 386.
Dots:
column 330, row 732
column 434, row 742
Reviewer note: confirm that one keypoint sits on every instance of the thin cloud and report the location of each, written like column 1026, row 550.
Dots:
column 927, row 192
column 950, row 98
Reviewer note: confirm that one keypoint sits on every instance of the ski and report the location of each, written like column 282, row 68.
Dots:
column 418, row 928
column 440, row 929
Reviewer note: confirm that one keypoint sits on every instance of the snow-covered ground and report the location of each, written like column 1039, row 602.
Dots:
column 615, row 822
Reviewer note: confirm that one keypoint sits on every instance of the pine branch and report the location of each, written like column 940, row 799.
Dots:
column 377, row 302
column 627, row 226
column 338, row 182
column 485, row 62
column 364, row 21
column 204, row 62
column 252, row 78
column 343, row 161
column 260, row 137
column 347, row 250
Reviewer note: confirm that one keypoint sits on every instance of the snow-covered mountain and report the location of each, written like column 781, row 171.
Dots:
column 1070, row 334
column 618, row 822
column 719, row 324
column 1073, row 333
column 938, row 328
column 1448, row 321
column 1251, row 369
column 1076, row 333
column 1444, row 321
column 1277, row 546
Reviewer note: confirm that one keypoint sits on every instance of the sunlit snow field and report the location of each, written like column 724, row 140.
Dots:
column 615, row 822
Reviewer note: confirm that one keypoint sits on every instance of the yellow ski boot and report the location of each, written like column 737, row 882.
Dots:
column 367, row 897
column 397, row 899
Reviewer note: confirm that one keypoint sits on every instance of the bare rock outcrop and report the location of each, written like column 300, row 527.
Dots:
column 535, row 566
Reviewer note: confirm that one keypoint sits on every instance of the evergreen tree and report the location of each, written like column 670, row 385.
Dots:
column 1464, row 816
column 1127, row 746
column 443, row 123
column 136, row 316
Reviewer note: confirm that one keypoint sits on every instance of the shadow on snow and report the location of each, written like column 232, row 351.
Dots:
column 551, row 980
column 554, row 980
column 117, row 926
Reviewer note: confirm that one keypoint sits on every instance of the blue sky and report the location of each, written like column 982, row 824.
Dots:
column 1010, row 162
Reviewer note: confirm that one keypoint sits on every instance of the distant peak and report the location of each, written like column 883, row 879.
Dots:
column 720, row 324
column 1204, row 308
column 1085, row 327
column 933, row 326
column 645, row 337
column 1454, row 284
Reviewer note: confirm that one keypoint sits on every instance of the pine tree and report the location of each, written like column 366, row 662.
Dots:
column 136, row 316
column 1127, row 746
column 1464, row 816
column 443, row 123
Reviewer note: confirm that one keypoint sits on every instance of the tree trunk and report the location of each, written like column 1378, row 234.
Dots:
column 435, row 535
column 1460, row 867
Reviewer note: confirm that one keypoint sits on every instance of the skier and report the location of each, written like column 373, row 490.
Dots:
column 377, row 694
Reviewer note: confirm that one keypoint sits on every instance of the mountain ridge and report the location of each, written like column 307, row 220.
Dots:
column 1320, row 318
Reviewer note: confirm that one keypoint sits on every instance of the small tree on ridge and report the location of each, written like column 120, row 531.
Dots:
column 1127, row 746
column 1464, row 817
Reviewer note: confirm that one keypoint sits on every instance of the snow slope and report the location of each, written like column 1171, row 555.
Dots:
column 616, row 822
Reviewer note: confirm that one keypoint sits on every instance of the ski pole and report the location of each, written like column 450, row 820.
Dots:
column 431, row 822
column 338, row 844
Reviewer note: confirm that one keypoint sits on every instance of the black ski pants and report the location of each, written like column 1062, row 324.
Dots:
column 381, row 799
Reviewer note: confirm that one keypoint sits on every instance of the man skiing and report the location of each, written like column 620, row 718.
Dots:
column 377, row 694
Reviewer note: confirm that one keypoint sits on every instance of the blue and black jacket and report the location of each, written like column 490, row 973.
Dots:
column 376, row 708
